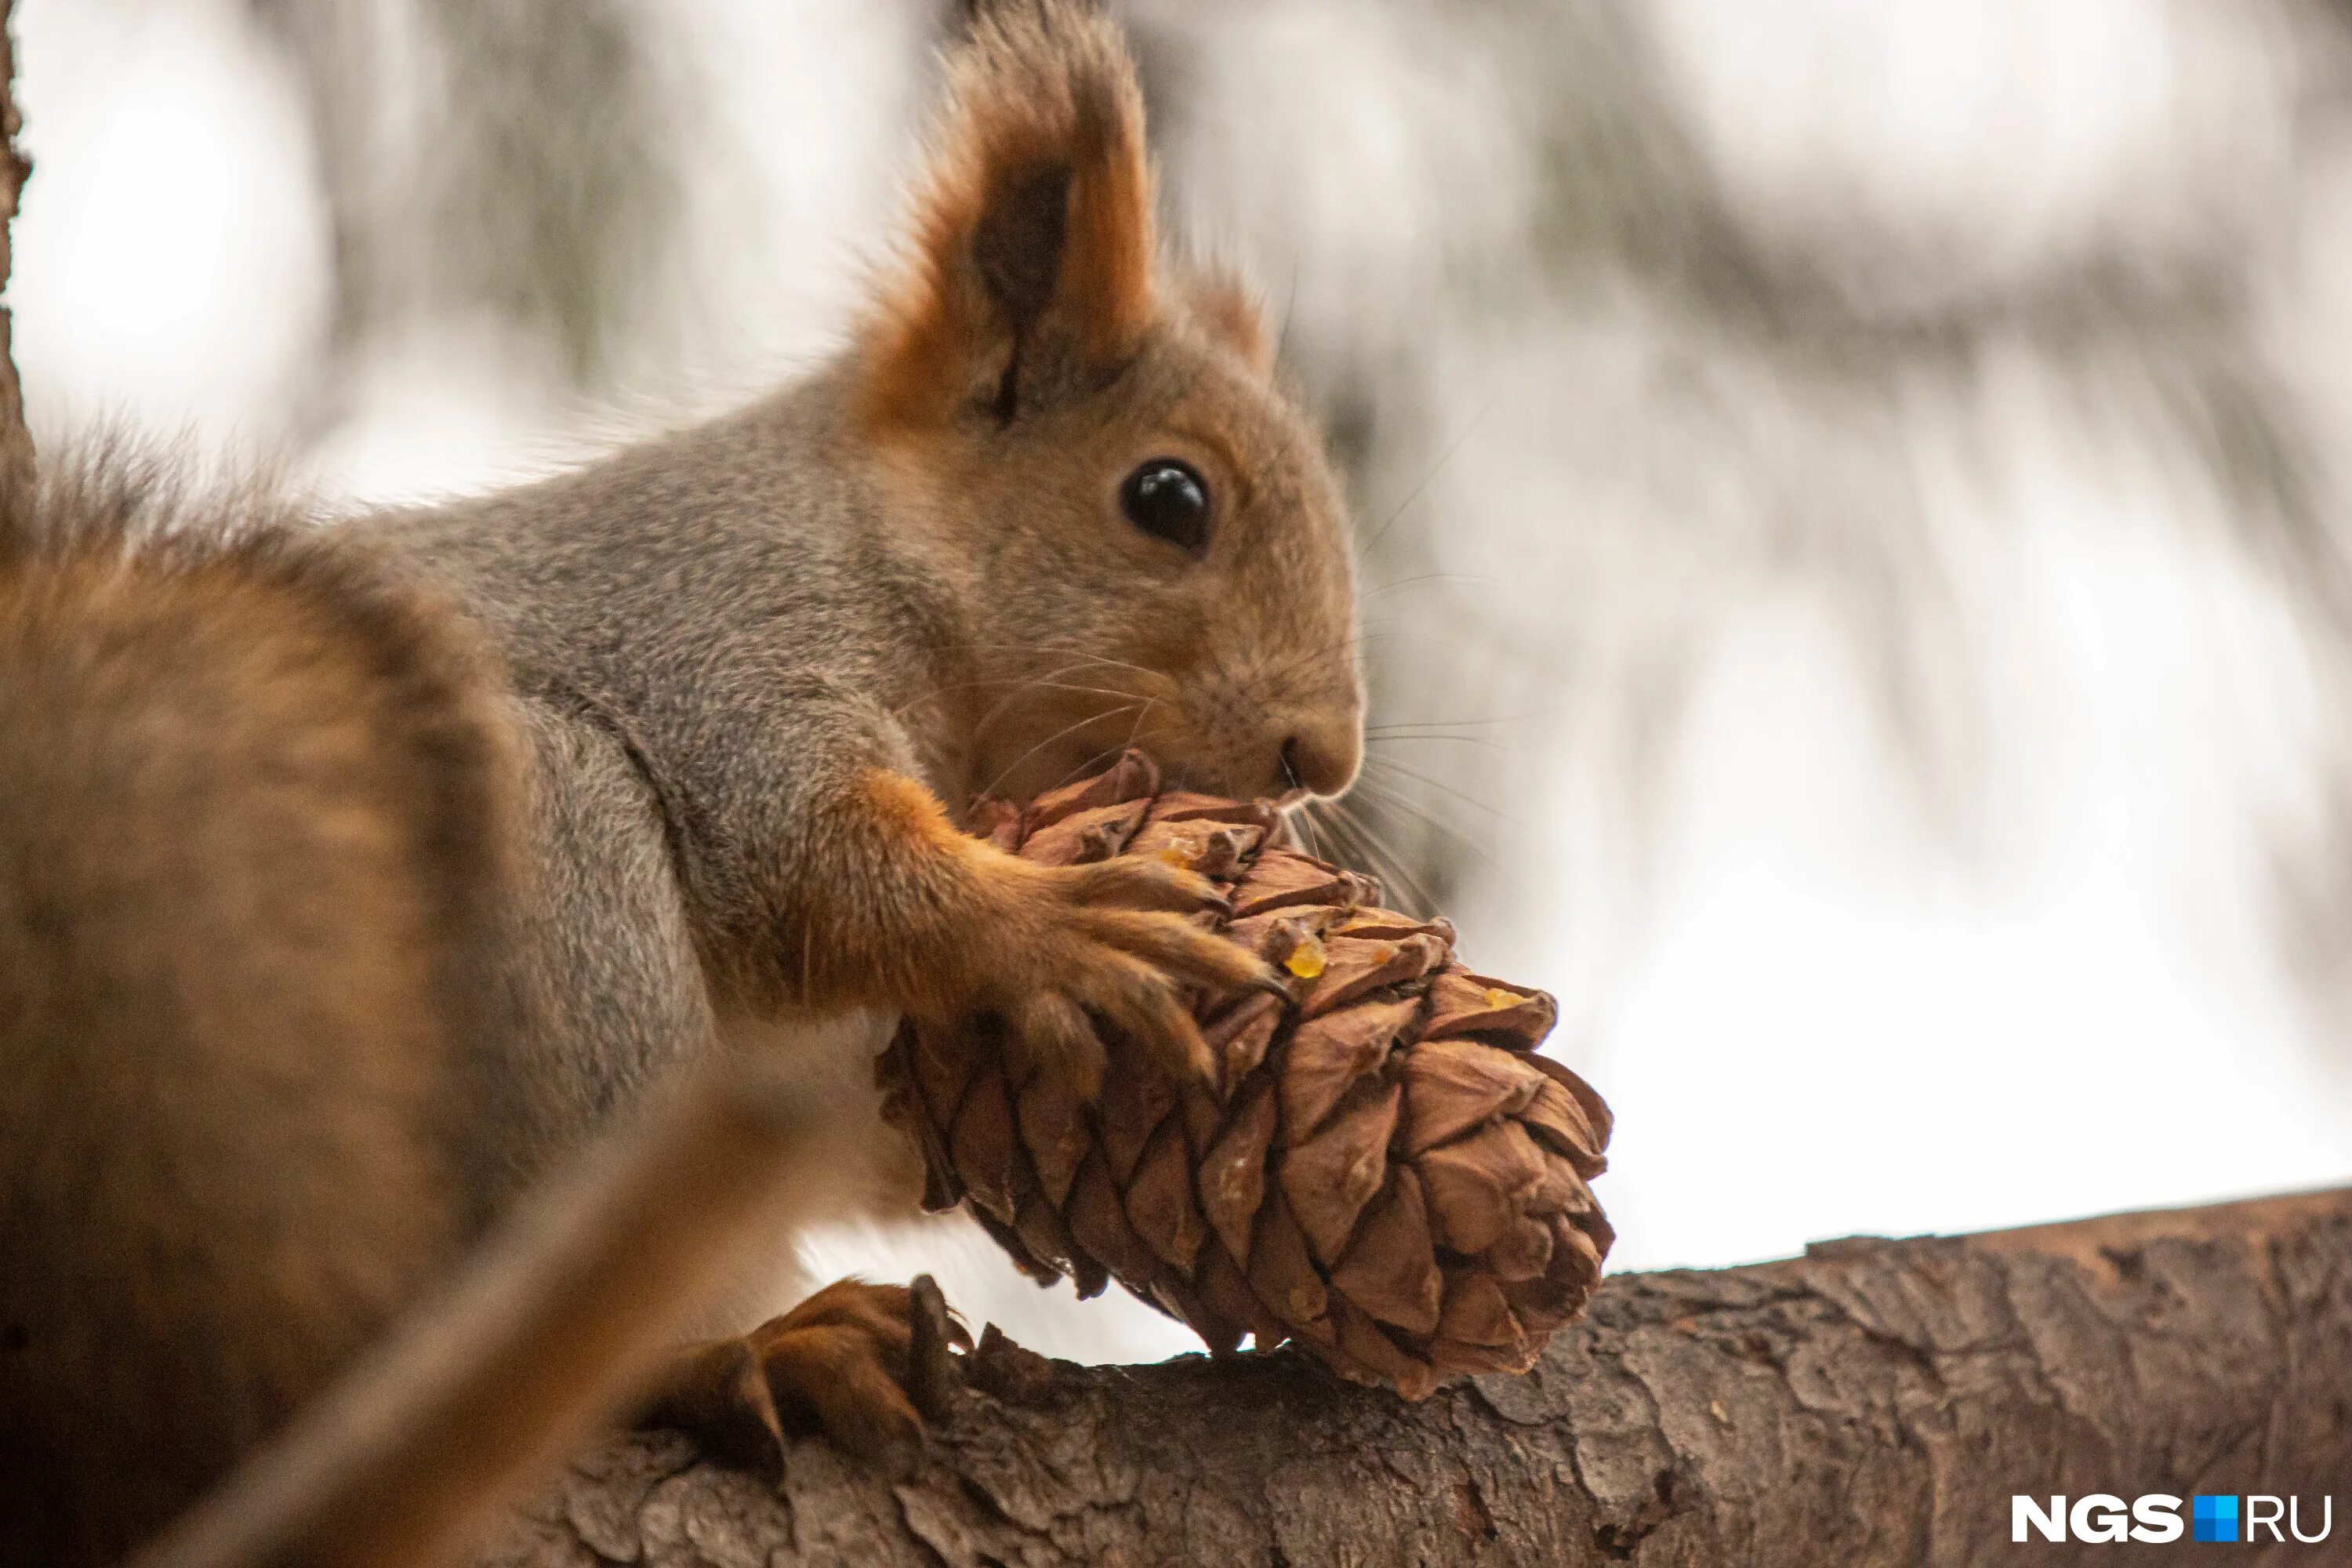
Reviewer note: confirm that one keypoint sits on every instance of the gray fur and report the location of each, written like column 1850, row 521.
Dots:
column 702, row 643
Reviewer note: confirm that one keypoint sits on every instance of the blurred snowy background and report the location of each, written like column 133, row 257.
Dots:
column 1856, row 536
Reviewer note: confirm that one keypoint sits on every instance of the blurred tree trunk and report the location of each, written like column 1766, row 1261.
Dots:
column 16, row 440
column 511, row 158
column 1871, row 1402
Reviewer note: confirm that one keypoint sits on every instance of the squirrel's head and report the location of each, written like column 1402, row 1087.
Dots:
column 1151, row 546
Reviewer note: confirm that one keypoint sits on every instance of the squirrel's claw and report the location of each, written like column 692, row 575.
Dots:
column 1059, row 1038
column 1138, row 1000
column 865, row 1366
column 931, row 1370
column 1140, row 882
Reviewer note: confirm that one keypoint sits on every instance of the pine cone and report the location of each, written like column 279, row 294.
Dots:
column 1385, row 1171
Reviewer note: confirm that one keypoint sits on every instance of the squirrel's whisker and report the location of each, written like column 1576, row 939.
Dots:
column 980, row 725
column 1107, row 753
column 1393, row 737
column 1007, row 771
column 1381, row 860
column 1404, row 582
column 1391, row 765
column 1446, row 456
column 1026, row 687
column 1383, row 797
column 1467, row 723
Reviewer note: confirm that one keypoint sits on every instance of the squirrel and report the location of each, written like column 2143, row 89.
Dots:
column 355, row 878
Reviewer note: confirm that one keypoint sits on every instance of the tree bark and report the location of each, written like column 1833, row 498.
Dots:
column 1873, row 1402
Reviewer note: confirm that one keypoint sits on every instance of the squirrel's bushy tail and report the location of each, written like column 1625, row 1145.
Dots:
column 257, row 816
column 253, row 811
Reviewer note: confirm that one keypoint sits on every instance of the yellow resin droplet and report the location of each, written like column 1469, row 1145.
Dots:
column 1305, row 960
column 1498, row 997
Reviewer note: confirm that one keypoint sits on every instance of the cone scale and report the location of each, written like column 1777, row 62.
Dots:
column 1383, row 1170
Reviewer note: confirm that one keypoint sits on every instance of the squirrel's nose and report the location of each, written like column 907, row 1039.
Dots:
column 1322, row 759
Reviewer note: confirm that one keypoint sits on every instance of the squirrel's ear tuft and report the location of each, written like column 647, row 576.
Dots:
column 1030, row 267
column 1229, row 310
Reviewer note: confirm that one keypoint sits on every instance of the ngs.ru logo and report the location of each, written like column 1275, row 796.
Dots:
column 2155, row 1517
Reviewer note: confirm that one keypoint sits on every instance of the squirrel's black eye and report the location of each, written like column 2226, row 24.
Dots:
column 1169, row 501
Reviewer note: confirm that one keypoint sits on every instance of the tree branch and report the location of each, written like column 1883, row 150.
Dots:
column 1871, row 1402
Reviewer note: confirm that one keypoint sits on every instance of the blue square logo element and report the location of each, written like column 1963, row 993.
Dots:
column 2215, row 1518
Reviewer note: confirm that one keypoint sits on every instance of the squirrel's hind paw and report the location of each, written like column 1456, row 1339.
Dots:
column 865, row 1366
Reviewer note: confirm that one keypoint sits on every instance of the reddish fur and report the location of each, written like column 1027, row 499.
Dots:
column 253, row 823
column 1227, row 308
column 1037, row 90
column 935, row 904
column 945, row 926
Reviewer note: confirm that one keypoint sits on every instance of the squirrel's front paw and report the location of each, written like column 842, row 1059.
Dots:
column 1057, row 943
column 864, row 1364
